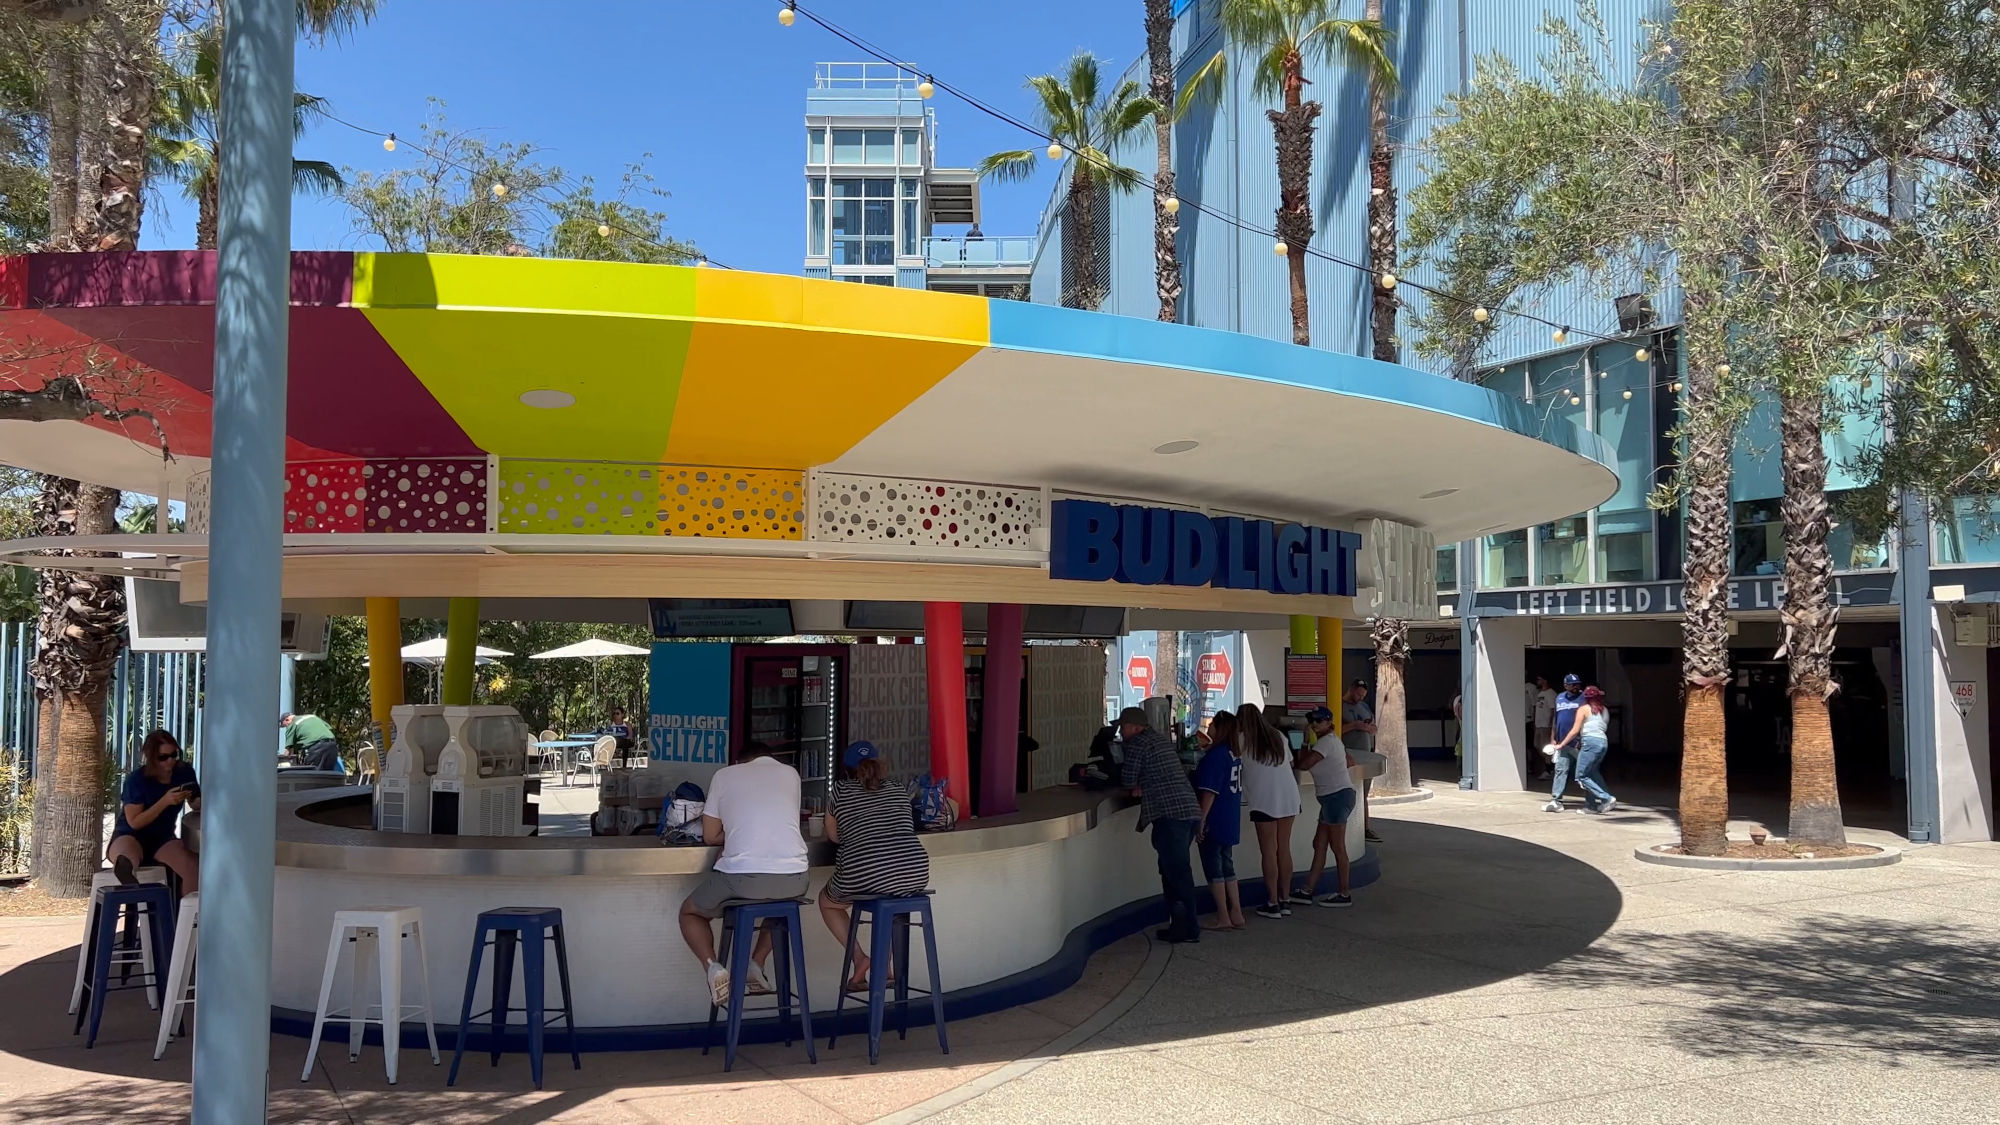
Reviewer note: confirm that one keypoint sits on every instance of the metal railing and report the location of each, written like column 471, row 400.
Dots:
column 862, row 76
column 943, row 253
column 148, row 690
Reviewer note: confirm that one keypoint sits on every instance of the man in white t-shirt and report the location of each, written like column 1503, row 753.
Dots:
column 1329, row 764
column 1545, row 717
column 753, row 812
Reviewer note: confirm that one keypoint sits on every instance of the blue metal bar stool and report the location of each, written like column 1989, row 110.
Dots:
column 148, row 904
column 530, row 927
column 739, row 918
column 889, row 921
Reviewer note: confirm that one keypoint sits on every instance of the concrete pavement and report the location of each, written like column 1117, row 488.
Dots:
column 1511, row 966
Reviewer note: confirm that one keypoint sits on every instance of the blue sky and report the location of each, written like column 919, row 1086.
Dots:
column 713, row 89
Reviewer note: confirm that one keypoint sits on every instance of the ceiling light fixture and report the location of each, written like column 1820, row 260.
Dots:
column 1173, row 447
column 547, row 399
column 1437, row 494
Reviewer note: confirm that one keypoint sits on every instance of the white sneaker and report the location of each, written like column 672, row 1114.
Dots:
column 755, row 983
column 1608, row 805
column 718, row 984
column 1553, row 806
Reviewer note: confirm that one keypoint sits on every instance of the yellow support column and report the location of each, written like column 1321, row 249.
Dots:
column 461, row 642
column 385, row 659
column 1330, row 644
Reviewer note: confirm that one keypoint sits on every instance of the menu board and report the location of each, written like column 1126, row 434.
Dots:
column 1305, row 683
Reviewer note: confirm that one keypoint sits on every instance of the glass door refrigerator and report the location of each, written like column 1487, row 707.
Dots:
column 788, row 698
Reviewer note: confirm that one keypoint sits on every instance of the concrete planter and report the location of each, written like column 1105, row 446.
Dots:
column 1652, row 854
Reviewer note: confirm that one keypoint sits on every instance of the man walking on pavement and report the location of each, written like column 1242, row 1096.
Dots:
column 1565, row 717
column 1167, row 803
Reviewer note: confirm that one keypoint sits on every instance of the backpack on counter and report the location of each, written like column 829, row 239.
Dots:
column 932, row 805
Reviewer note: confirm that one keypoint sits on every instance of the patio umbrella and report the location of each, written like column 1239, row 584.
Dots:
column 595, row 650
column 430, row 654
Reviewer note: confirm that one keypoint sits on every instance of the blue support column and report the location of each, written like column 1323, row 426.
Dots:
column 253, row 285
column 1917, row 619
column 1468, row 664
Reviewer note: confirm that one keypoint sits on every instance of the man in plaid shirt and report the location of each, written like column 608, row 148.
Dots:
column 1167, row 803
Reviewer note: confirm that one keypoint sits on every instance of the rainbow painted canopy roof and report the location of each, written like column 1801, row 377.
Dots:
column 401, row 356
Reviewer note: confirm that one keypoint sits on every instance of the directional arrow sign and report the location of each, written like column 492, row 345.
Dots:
column 1212, row 671
column 1139, row 673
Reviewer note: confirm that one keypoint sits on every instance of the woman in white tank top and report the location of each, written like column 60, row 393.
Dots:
column 1589, row 730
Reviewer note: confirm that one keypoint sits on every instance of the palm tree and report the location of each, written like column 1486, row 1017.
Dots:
column 1809, row 613
column 1391, row 638
column 1166, row 221
column 185, row 135
column 1086, row 127
column 1381, row 204
column 1704, row 469
column 1283, row 34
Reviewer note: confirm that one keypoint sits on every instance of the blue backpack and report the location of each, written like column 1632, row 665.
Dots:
column 931, row 805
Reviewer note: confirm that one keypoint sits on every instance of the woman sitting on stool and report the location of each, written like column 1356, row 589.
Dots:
column 149, row 810
column 879, row 856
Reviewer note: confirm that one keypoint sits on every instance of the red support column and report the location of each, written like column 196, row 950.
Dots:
column 944, row 673
column 1000, row 720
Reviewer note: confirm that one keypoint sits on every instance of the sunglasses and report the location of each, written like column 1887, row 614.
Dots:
column 166, row 755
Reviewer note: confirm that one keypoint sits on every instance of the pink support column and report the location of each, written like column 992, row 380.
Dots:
column 944, row 673
column 1000, row 721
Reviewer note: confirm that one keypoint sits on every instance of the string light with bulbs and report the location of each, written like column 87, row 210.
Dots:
column 1480, row 313
column 500, row 190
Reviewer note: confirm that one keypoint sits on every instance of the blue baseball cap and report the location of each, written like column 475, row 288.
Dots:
column 859, row 752
column 1319, row 715
column 1572, row 679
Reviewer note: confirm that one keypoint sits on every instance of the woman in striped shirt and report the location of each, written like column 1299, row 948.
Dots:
column 879, row 854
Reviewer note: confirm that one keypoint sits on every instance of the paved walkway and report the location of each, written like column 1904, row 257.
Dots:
column 1513, row 966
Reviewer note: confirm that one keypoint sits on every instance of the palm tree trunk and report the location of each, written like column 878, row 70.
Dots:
column 121, row 71
column 1809, row 618
column 1381, row 212
column 1166, row 225
column 1081, row 290
column 63, row 134
column 1391, row 637
column 1704, row 470
column 82, row 629
column 1292, row 128
column 209, row 209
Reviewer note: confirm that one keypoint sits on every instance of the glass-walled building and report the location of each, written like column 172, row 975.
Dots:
column 879, row 209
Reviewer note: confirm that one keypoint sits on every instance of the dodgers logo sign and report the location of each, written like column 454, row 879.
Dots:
column 1096, row 542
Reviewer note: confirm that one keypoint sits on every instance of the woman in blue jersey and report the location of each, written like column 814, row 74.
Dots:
column 1588, row 731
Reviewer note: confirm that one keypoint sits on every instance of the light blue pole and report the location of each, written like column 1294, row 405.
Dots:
column 253, row 282
column 1468, row 672
column 1916, row 618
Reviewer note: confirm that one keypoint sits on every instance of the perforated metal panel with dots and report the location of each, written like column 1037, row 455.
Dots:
column 197, row 504
column 324, row 497
column 417, row 494
column 854, row 508
column 732, row 503
column 578, row 498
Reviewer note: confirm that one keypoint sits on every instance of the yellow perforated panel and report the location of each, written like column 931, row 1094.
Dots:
column 732, row 503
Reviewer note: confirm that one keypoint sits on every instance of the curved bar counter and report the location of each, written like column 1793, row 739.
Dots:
column 1021, row 902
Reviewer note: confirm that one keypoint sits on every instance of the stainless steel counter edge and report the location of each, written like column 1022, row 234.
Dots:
column 314, row 846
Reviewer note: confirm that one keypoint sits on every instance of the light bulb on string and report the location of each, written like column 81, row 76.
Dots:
column 1722, row 369
column 499, row 191
column 1480, row 315
column 1575, row 401
column 1173, row 204
column 1642, row 355
column 1628, row 394
column 604, row 230
column 925, row 89
column 389, row 143
column 786, row 16
column 1387, row 280
column 1055, row 151
column 1280, row 248
column 1674, row 386
column 1561, row 335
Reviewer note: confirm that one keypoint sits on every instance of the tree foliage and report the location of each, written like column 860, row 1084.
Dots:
column 465, row 194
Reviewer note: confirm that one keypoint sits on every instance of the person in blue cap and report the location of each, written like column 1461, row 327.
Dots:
column 879, row 853
column 1565, row 759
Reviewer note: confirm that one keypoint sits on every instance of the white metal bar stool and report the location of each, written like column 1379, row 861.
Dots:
column 180, row 972
column 364, row 928
column 98, row 883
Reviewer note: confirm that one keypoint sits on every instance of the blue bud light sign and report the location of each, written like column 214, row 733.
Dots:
column 1091, row 541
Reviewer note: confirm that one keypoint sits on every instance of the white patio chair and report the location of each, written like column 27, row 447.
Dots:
column 598, row 758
